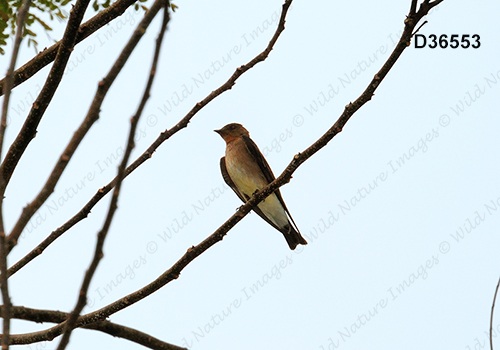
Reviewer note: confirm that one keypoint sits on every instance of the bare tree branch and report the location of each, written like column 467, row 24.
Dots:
column 85, row 211
column 8, row 82
column 45, row 57
column 134, row 335
column 28, row 131
column 413, row 8
column 7, row 85
column 491, row 318
column 92, row 116
column 195, row 251
column 105, row 326
column 101, row 236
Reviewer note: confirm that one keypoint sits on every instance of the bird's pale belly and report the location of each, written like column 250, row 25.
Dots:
column 248, row 185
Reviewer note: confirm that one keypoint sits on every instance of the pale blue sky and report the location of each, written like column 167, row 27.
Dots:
column 383, row 206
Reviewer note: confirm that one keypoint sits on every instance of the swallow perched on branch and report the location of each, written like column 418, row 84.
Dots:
column 246, row 171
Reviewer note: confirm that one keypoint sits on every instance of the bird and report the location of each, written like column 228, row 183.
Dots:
column 246, row 171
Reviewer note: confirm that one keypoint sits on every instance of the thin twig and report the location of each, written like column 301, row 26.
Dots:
column 85, row 211
column 416, row 31
column 48, row 55
column 491, row 318
column 92, row 116
column 28, row 131
column 7, row 86
column 195, row 251
column 101, row 236
column 105, row 326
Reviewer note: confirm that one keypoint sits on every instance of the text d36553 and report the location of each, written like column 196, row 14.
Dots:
column 444, row 41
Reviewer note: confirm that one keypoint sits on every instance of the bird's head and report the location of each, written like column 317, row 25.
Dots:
column 232, row 131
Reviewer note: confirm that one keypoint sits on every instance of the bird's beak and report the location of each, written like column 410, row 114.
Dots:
column 217, row 131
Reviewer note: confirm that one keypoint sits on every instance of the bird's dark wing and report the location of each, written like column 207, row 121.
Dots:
column 268, row 173
column 259, row 158
column 228, row 180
